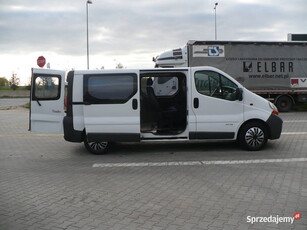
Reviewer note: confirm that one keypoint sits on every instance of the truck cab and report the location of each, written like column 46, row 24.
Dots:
column 140, row 105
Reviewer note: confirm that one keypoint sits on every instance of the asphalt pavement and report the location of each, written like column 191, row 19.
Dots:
column 50, row 184
column 7, row 103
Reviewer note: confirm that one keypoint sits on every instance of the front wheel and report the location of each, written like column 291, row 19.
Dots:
column 253, row 136
column 97, row 148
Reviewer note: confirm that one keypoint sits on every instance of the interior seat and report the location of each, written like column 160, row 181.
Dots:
column 164, row 117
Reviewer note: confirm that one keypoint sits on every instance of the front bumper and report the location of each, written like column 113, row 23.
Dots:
column 275, row 126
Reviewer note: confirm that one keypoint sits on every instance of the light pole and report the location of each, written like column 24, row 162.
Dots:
column 215, row 20
column 88, row 55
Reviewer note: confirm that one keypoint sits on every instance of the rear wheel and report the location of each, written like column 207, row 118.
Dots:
column 284, row 104
column 253, row 136
column 97, row 148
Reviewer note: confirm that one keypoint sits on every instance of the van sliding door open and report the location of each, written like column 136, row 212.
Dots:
column 47, row 101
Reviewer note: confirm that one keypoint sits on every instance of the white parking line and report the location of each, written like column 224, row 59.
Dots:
column 294, row 133
column 198, row 163
column 296, row 121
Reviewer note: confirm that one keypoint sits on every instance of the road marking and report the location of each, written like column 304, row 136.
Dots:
column 197, row 163
column 294, row 133
column 296, row 121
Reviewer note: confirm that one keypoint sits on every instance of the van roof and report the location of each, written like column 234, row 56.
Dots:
column 130, row 70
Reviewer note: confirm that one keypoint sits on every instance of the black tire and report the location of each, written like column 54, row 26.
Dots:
column 253, row 136
column 284, row 104
column 97, row 148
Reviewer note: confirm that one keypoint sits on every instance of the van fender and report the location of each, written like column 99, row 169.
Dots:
column 273, row 125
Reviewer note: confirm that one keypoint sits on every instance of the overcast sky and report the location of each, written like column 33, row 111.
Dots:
column 131, row 31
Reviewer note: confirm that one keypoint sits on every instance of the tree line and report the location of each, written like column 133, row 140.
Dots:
column 13, row 82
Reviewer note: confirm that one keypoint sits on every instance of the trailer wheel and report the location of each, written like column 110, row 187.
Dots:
column 284, row 104
column 97, row 148
column 253, row 136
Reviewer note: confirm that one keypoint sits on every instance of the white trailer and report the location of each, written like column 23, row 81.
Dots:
column 276, row 71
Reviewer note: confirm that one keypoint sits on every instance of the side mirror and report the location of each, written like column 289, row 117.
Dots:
column 239, row 94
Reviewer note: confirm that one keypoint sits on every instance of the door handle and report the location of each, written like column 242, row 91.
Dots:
column 135, row 104
column 56, row 111
column 196, row 103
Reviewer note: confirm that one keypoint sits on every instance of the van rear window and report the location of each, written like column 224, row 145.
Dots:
column 46, row 87
column 109, row 88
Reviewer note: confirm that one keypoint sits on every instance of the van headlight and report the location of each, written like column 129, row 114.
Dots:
column 273, row 107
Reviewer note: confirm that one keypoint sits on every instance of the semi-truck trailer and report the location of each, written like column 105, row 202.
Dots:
column 276, row 71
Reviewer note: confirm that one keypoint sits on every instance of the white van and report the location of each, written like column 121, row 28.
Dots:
column 177, row 104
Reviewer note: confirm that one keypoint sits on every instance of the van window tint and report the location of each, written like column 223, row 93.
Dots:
column 213, row 84
column 46, row 88
column 109, row 89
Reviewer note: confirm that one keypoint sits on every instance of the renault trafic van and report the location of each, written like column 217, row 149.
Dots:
column 177, row 104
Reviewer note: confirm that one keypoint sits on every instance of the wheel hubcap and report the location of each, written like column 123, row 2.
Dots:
column 254, row 137
column 284, row 104
column 98, row 145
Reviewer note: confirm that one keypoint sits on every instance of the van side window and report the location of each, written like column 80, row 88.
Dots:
column 109, row 88
column 213, row 84
column 46, row 88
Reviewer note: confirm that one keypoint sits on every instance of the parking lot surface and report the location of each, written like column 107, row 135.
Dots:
column 7, row 103
column 48, row 183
